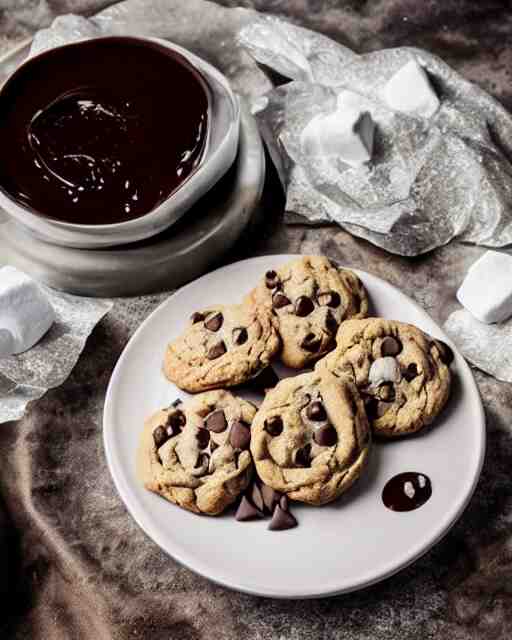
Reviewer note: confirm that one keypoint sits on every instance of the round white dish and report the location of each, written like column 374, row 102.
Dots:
column 341, row 547
column 219, row 155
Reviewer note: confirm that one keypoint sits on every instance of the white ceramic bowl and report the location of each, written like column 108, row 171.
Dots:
column 219, row 155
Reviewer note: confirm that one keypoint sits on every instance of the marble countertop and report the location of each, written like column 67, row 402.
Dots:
column 79, row 567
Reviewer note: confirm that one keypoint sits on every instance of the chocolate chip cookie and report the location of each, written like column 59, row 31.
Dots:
column 310, row 437
column 223, row 346
column 196, row 454
column 309, row 298
column 402, row 373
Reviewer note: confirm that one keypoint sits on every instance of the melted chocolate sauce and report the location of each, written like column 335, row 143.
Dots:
column 407, row 491
column 102, row 131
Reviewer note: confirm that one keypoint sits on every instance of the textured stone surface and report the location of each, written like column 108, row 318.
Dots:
column 85, row 570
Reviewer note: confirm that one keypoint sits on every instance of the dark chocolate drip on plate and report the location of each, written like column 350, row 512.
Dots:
column 407, row 491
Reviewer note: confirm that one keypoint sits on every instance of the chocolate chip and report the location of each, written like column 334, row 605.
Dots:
column 303, row 456
column 202, row 460
column 214, row 323
column 370, row 405
column 240, row 335
column 176, row 403
column 177, row 418
column 175, row 422
column 445, row 352
column 216, row 421
column 311, row 343
column 390, row 347
column 282, row 520
column 196, row 317
column 160, row 436
column 330, row 299
column 331, row 324
column 203, row 437
column 271, row 279
column 376, row 408
column 280, row 300
column 247, row 511
column 216, row 351
column 213, row 445
column 387, row 391
column 240, row 435
column 316, row 411
column 303, row 306
column 326, row 436
column 266, row 379
column 257, row 498
column 270, row 497
column 283, row 503
column 274, row 425
column 410, row 372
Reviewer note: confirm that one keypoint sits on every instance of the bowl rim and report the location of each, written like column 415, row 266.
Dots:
column 201, row 69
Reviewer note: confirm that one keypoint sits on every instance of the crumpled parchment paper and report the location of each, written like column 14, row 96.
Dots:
column 487, row 346
column 29, row 375
column 431, row 180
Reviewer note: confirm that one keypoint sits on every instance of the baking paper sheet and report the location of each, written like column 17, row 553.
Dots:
column 29, row 375
column 487, row 346
column 431, row 179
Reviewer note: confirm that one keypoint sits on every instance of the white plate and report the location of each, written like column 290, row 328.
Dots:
column 341, row 547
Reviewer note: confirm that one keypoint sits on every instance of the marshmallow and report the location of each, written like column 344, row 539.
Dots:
column 383, row 370
column 347, row 133
column 25, row 312
column 487, row 288
column 409, row 90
